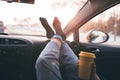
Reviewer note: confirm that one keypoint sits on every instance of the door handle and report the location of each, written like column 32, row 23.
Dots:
column 94, row 49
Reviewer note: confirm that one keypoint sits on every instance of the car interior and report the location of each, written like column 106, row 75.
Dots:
column 18, row 53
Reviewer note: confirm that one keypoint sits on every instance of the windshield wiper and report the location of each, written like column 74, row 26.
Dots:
column 9, row 1
column 3, row 33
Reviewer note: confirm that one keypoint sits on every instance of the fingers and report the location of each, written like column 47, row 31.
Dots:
column 94, row 75
column 94, row 67
column 93, row 71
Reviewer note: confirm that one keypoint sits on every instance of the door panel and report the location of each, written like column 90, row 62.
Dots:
column 107, row 59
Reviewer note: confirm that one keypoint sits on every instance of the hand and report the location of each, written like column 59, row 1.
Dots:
column 94, row 75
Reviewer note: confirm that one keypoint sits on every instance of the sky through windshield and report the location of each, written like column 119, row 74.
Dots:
column 64, row 9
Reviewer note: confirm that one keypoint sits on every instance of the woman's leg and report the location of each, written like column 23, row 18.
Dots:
column 47, row 64
column 69, row 61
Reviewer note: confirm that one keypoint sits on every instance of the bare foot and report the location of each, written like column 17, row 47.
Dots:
column 58, row 29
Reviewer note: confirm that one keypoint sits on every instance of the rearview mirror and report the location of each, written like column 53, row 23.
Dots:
column 21, row 1
column 94, row 36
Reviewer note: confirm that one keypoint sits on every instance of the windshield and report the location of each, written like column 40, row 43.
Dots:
column 20, row 18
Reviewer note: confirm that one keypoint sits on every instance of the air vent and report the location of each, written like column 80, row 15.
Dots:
column 12, row 41
column 15, row 41
column 2, row 41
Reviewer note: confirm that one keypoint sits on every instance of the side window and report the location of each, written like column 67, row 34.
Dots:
column 70, row 38
column 108, row 22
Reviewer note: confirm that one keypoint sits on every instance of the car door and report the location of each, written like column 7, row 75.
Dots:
column 107, row 59
column 108, row 53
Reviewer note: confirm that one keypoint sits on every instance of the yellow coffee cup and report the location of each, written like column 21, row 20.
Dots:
column 86, row 59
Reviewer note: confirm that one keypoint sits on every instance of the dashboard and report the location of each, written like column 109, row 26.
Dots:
column 18, row 55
